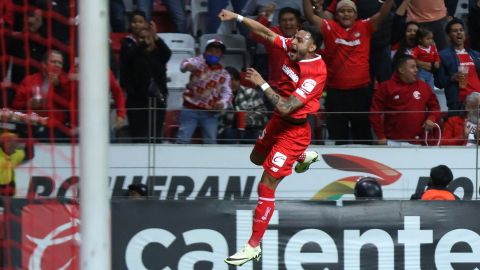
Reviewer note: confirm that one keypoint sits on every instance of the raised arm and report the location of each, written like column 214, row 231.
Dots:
column 254, row 26
column 312, row 16
column 378, row 17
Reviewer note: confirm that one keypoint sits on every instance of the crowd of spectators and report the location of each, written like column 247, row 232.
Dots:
column 386, row 60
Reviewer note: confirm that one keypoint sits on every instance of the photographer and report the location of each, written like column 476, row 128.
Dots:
column 440, row 178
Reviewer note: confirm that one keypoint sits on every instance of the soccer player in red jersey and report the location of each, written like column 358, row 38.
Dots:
column 287, row 134
column 347, row 54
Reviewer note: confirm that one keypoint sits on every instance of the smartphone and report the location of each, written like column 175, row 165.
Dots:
column 244, row 82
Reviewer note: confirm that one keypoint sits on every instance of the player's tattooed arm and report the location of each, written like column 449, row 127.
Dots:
column 285, row 106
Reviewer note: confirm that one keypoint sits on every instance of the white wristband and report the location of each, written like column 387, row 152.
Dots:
column 239, row 18
column 265, row 86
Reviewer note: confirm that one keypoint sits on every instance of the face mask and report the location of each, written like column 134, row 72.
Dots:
column 211, row 59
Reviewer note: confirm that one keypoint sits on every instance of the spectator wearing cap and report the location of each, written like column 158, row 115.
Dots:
column 404, row 106
column 347, row 55
column 207, row 93
column 437, row 190
column 137, row 191
column 380, row 60
column 459, row 68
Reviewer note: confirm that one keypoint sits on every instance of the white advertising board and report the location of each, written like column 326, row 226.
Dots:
column 225, row 172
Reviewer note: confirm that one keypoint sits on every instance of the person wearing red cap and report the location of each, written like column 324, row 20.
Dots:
column 347, row 54
column 207, row 93
column 287, row 134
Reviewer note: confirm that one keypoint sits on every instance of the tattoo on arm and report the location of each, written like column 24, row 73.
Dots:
column 283, row 105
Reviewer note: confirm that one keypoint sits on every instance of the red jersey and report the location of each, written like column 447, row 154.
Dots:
column 453, row 131
column 473, row 83
column 399, row 109
column 57, row 98
column 347, row 53
column 429, row 54
column 276, row 57
column 304, row 79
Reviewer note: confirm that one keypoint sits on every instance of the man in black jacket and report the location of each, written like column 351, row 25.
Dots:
column 146, row 87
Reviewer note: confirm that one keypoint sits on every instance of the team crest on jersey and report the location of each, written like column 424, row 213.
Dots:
column 290, row 73
column 307, row 87
column 416, row 94
column 357, row 34
column 279, row 159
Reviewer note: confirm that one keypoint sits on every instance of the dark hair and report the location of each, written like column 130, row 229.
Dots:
column 368, row 188
column 137, row 13
column 140, row 188
column 234, row 73
column 315, row 32
column 402, row 48
column 293, row 11
column 422, row 33
column 452, row 22
column 441, row 176
column 400, row 59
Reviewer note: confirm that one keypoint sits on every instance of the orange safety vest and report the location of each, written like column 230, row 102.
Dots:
column 437, row 195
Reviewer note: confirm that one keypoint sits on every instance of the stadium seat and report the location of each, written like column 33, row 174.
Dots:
column 170, row 125
column 116, row 43
column 179, row 42
column 116, row 39
column 182, row 46
column 236, row 54
column 199, row 15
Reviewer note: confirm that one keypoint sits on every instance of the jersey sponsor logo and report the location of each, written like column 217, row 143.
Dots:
column 416, row 94
column 265, row 216
column 352, row 43
column 279, row 159
column 290, row 73
column 308, row 85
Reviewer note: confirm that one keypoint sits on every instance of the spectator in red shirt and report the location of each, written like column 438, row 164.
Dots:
column 463, row 129
column 117, row 95
column 347, row 53
column 408, row 42
column 47, row 93
column 403, row 107
column 426, row 55
column 288, row 24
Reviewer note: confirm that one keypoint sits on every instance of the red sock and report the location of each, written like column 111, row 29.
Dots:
column 302, row 157
column 263, row 213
